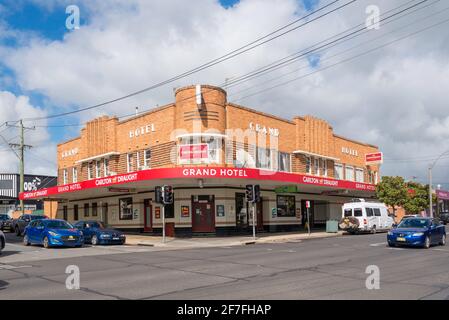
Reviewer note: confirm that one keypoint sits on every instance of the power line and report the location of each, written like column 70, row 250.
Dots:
column 230, row 55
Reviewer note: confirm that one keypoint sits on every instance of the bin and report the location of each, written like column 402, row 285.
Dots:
column 332, row 226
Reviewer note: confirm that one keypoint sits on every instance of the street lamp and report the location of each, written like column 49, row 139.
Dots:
column 430, row 181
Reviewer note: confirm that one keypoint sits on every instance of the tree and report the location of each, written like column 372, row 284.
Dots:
column 417, row 197
column 392, row 191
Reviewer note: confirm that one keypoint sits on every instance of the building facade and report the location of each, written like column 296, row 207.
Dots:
column 208, row 149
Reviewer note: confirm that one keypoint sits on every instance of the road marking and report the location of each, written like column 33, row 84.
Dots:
column 10, row 267
column 378, row 244
column 440, row 250
column 395, row 248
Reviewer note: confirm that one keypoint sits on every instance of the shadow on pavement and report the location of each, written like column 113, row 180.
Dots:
column 6, row 253
column 3, row 284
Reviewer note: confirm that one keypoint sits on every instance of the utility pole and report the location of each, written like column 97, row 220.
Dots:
column 21, row 147
column 430, row 181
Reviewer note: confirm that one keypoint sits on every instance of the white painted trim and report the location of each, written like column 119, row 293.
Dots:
column 112, row 153
column 315, row 155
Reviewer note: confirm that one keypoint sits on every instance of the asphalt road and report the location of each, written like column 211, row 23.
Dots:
column 332, row 268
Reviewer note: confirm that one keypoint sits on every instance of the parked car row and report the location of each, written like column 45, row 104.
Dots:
column 5, row 222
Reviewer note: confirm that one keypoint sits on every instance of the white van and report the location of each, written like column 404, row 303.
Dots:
column 363, row 216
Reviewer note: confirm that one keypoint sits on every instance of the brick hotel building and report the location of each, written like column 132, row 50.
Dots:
column 195, row 144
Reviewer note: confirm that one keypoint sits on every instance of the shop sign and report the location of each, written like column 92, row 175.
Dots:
column 185, row 211
column 442, row 195
column 220, row 210
column 349, row 151
column 374, row 158
column 157, row 212
column 142, row 130
column 194, row 152
column 263, row 129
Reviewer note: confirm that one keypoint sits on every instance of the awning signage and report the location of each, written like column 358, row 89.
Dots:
column 193, row 152
column 198, row 172
column 443, row 195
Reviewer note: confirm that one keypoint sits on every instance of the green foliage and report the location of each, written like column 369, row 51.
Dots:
column 392, row 191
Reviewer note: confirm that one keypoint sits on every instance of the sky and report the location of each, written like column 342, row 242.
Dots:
column 387, row 87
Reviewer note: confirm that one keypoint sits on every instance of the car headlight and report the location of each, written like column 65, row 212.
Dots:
column 418, row 234
column 54, row 234
column 390, row 233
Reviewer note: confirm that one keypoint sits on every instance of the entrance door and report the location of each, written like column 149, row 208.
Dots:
column 203, row 214
column 241, row 212
column 259, row 217
column 147, row 215
column 104, row 212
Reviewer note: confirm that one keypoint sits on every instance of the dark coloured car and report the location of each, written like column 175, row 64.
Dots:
column 444, row 217
column 96, row 233
column 2, row 241
column 5, row 222
column 52, row 233
column 421, row 232
column 19, row 225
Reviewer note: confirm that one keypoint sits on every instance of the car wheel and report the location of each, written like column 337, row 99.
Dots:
column 374, row 230
column 94, row 240
column 46, row 243
column 391, row 244
column 427, row 243
column 443, row 240
column 26, row 240
column 17, row 231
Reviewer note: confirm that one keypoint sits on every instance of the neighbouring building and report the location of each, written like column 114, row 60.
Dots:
column 10, row 188
column 208, row 149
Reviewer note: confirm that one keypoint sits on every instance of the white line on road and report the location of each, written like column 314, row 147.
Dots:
column 378, row 244
column 10, row 267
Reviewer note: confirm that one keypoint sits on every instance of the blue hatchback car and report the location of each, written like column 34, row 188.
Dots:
column 96, row 233
column 420, row 232
column 52, row 233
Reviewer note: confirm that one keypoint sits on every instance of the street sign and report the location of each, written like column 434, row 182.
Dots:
column 374, row 158
column 307, row 204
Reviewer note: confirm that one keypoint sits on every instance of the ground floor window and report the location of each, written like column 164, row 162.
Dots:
column 94, row 209
column 75, row 212
column 286, row 206
column 86, row 209
column 126, row 209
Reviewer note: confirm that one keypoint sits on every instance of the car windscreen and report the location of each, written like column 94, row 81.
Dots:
column 58, row 225
column 414, row 223
column 38, row 217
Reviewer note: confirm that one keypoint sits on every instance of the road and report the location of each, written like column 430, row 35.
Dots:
column 332, row 268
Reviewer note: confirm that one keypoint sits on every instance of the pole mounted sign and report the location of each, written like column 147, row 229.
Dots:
column 374, row 158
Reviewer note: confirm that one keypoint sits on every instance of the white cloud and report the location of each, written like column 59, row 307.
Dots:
column 394, row 98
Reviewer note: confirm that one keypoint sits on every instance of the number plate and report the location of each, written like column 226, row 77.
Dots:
column 115, row 238
column 401, row 239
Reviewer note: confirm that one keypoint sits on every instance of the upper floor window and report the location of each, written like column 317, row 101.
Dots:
column 74, row 175
column 263, row 158
column 316, row 166
column 90, row 171
column 338, row 171
column 349, row 173
column 130, row 162
column 308, row 165
column 324, row 161
column 359, row 175
column 284, row 162
column 106, row 167
column 65, row 176
column 196, row 150
column 146, row 158
column 97, row 169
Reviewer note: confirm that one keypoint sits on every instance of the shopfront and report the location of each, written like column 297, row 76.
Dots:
column 208, row 150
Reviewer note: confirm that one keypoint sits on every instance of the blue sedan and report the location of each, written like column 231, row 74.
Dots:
column 52, row 233
column 96, row 233
column 419, row 232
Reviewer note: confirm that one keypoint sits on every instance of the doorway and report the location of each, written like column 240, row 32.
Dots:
column 147, row 215
column 104, row 212
column 203, row 213
column 259, row 217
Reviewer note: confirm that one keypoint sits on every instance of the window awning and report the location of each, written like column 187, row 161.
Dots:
column 315, row 155
column 112, row 153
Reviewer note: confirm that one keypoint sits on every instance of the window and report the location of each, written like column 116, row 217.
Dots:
column 349, row 173
column 195, row 150
column 214, row 150
column 358, row 212
column 64, row 212
column 65, row 176
column 338, row 169
column 90, row 172
column 86, row 209
column 308, row 165
column 284, row 162
column 126, row 209
column 286, row 206
column 97, row 169
column 348, row 212
column 369, row 212
column 359, row 175
column 75, row 212
column 325, row 167
column 94, row 209
column 74, row 175
column 263, row 158
column 316, row 166
column 146, row 158
column 106, row 167
column 130, row 162
column 377, row 212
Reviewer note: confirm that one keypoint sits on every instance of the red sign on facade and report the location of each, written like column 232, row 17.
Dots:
column 374, row 158
column 193, row 151
column 442, row 195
